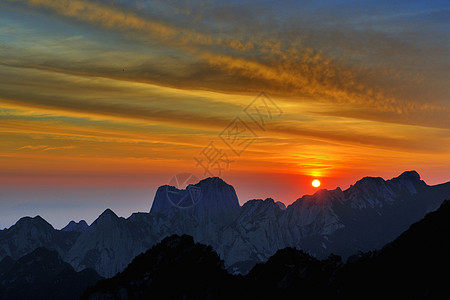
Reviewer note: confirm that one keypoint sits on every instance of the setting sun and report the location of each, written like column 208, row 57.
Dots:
column 315, row 183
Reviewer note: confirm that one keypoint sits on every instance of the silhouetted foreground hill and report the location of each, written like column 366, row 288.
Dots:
column 42, row 274
column 175, row 268
column 415, row 265
column 291, row 273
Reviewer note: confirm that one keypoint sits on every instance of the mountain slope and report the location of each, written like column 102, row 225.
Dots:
column 254, row 235
column 374, row 212
column 415, row 265
column 291, row 273
column 110, row 243
column 175, row 268
column 42, row 274
column 30, row 233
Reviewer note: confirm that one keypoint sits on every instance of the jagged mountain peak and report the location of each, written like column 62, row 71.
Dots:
column 260, row 202
column 37, row 221
column 216, row 181
column 258, row 211
column 409, row 181
column 108, row 213
column 281, row 205
column 254, row 205
column 407, row 177
column 321, row 199
column 211, row 196
column 410, row 175
column 106, row 217
column 376, row 192
column 207, row 182
column 369, row 181
column 28, row 219
column 81, row 226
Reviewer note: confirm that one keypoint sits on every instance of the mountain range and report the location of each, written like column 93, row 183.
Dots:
column 364, row 217
column 413, row 266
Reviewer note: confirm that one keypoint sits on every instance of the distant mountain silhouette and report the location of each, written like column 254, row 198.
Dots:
column 110, row 243
column 413, row 266
column 365, row 217
column 42, row 274
column 74, row 226
column 31, row 233
column 210, row 196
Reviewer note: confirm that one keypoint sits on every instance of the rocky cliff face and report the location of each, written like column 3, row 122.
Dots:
column 254, row 235
column 201, row 210
column 108, row 245
column 211, row 198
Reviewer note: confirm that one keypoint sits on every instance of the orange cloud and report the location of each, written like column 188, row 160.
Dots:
column 364, row 102
column 45, row 147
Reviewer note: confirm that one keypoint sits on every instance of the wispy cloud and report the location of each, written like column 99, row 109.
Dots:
column 44, row 147
column 308, row 58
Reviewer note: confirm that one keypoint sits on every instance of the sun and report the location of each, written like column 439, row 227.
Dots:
column 315, row 183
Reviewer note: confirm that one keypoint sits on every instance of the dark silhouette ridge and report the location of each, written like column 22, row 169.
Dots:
column 415, row 265
column 175, row 268
column 42, row 274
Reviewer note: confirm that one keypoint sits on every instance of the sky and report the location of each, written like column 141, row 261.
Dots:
column 103, row 101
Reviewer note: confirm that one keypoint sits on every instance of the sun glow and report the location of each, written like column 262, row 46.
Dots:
column 315, row 183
